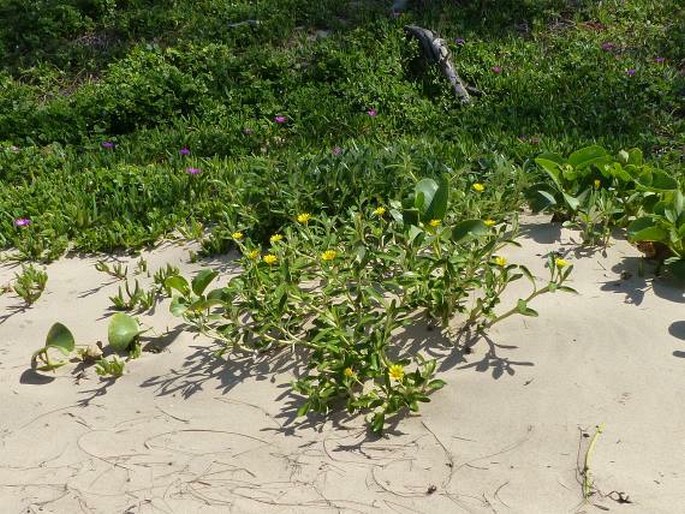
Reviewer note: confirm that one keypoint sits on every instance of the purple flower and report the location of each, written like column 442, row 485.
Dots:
column 107, row 144
column 460, row 41
column 22, row 222
column 659, row 60
column 496, row 69
column 631, row 72
column 336, row 151
column 193, row 171
column 184, row 151
column 372, row 112
column 280, row 119
column 608, row 46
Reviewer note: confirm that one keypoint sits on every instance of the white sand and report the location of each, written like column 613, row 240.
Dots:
column 181, row 433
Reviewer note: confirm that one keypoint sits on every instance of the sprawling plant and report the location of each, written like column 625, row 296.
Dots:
column 343, row 287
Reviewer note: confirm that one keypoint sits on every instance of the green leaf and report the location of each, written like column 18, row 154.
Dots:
column 378, row 422
column 646, row 229
column 657, row 181
column 571, row 201
column 178, row 283
column 523, row 309
column 202, row 280
column 61, row 338
column 552, row 163
column 304, row 408
column 431, row 198
column 178, row 306
column 469, row 228
column 436, row 384
column 122, row 331
column 587, row 156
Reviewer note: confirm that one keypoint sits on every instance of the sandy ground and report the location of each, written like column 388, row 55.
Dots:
column 182, row 433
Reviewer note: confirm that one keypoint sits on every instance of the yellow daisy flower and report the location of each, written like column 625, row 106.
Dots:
column 379, row 211
column 275, row 238
column 329, row 255
column 500, row 261
column 478, row 187
column 237, row 235
column 254, row 254
column 490, row 222
column 349, row 373
column 560, row 263
column 434, row 223
column 304, row 218
column 270, row 259
column 396, row 372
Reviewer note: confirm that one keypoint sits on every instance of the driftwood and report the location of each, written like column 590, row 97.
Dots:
column 435, row 49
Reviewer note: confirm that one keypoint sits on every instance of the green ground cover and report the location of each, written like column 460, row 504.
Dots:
column 98, row 98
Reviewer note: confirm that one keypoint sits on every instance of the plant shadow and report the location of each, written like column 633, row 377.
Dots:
column 637, row 277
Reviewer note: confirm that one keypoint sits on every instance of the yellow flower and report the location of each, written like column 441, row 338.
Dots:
column 253, row 254
column 303, row 218
column 490, row 222
column 597, row 183
column 349, row 373
column 500, row 261
column 329, row 255
column 237, row 235
column 560, row 263
column 275, row 238
column 270, row 259
column 396, row 371
column 434, row 223
column 478, row 187
column 379, row 211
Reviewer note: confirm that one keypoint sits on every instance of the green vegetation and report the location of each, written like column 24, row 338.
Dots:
column 312, row 138
column 98, row 98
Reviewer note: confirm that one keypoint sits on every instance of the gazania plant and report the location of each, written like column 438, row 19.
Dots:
column 343, row 288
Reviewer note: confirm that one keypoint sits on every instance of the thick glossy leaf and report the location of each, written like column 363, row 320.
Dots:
column 60, row 337
column 178, row 283
column 202, row 280
column 431, row 198
column 571, row 201
column 657, row 181
column 646, row 229
column 617, row 171
column 552, row 167
column 122, row 331
column 589, row 155
column 539, row 199
column 178, row 307
column 635, row 156
column 469, row 228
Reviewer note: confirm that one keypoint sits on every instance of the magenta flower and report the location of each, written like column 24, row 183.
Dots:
column 372, row 112
column 496, row 69
column 184, row 151
column 631, row 72
column 22, row 222
column 608, row 46
column 193, row 171
column 460, row 41
column 336, row 151
column 107, row 144
column 280, row 119
column 660, row 60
